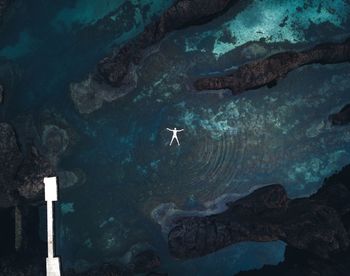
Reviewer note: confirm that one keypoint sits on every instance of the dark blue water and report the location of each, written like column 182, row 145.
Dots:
column 119, row 154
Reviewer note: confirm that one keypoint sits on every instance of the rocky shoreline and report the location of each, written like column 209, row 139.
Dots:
column 116, row 76
column 269, row 71
column 317, row 227
column 182, row 14
column 22, row 194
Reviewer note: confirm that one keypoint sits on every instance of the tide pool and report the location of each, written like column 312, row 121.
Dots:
column 118, row 158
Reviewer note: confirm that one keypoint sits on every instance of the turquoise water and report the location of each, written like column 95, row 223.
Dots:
column 117, row 161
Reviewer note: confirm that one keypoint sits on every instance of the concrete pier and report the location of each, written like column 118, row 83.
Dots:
column 52, row 263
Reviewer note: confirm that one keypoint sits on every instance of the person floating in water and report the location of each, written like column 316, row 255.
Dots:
column 175, row 131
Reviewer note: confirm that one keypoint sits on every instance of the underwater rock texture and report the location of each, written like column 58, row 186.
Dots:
column 342, row 117
column 182, row 14
column 27, row 259
column 318, row 225
column 299, row 262
column 1, row 94
column 21, row 175
column 268, row 71
column 31, row 265
column 3, row 6
column 115, row 75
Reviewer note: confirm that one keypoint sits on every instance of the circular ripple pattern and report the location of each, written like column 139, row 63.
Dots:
column 217, row 164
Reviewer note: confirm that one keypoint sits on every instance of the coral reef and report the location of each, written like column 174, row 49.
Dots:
column 268, row 71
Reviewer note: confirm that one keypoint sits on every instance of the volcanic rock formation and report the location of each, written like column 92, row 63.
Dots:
column 182, row 14
column 116, row 74
column 319, row 225
column 268, row 71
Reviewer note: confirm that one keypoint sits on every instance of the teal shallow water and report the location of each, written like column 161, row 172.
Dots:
column 230, row 145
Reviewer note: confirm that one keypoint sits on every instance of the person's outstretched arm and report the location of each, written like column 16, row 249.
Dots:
column 181, row 130
column 169, row 129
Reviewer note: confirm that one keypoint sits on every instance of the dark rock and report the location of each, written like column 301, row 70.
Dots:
column 29, row 258
column 3, row 6
column 116, row 74
column 1, row 94
column 342, row 117
column 182, row 14
column 10, row 160
column 107, row 270
column 318, row 225
column 301, row 263
column 10, row 157
column 30, row 176
column 21, row 175
column 145, row 261
column 55, row 140
column 268, row 71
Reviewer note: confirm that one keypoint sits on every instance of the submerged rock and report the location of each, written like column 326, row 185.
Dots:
column 106, row 269
column 118, row 69
column 1, row 94
column 21, row 176
column 30, row 175
column 318, row 225
column 68, row 179
column 300, row 263
column 334, row 193
column 342, row 117
column 182, row 14
column 3, row 6
column 268, row 71
column 144, row 262
column 89, row 95
column 55, row 140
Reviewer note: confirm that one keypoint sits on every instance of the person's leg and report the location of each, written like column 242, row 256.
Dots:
column 172, row 139
column 177, row 140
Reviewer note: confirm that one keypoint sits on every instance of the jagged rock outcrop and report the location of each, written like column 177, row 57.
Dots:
column 21, row 175
column 182, row 14
column 334, row 193
column 116, row 75
column 342, row 117
column 318, row 225
column 268, row 71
